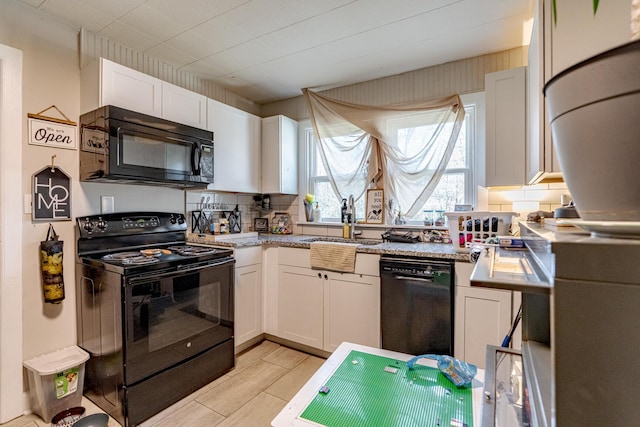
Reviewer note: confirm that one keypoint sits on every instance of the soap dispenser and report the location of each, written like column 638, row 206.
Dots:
column 343, row 210
column 346, row 230
column 316, row 213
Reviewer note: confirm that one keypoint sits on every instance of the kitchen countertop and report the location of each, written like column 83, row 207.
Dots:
column 368, row 246
column 290, row 414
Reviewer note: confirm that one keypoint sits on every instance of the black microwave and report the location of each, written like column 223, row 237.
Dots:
column 119, row 145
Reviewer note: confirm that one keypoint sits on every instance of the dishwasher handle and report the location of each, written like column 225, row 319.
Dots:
column 428, row 279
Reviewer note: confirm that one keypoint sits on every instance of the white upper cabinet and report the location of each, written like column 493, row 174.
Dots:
column 279, row 155
column 542, row 163
column 107, row 83
column 236, row 139
column 184, row 106
column 505, row 127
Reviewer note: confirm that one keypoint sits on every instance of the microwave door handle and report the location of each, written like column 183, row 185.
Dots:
column 196, row 155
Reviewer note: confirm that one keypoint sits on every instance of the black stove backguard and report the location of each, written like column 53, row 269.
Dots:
column 156, row 332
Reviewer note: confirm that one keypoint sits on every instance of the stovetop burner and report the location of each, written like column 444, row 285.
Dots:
column 188, row 250
column 131, row 258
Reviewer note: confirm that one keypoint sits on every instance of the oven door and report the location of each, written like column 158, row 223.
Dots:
column 173, row 316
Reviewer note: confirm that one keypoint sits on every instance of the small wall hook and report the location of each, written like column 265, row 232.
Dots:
column 53, row 167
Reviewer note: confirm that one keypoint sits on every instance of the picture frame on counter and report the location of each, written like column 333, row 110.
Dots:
column 260, row 224
column 375, row 206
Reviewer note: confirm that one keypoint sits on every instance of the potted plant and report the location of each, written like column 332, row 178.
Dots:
column 595, row 124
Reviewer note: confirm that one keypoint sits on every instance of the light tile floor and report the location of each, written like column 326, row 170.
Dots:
column 265, row 378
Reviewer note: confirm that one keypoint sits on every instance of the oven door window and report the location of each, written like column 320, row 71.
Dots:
column 174, row 316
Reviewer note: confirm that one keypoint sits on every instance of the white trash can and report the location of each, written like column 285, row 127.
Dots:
column 56, row 380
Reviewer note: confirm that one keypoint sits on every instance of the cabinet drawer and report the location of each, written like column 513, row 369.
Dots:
column 366, row 264
column 248, row 256
column 295, row 257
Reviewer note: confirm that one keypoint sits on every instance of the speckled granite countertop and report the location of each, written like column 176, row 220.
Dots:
column 368, row 246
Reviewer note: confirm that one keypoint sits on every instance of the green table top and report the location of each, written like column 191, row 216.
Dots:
column 370, row 390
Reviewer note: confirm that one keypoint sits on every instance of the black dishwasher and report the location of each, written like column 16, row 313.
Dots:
column 416, row 298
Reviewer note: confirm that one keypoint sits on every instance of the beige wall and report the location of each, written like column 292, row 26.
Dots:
column 51, row 76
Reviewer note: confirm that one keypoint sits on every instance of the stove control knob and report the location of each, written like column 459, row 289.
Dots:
column 88, row 225
column 180, row 219
column 101, row 224
column 172, row 220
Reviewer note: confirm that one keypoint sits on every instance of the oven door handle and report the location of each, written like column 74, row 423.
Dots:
column 179, row 272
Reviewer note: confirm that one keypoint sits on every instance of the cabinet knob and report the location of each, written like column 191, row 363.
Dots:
column 319, row 276
column 325, row 277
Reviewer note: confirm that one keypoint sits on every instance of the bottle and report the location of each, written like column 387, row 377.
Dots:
column 343, row 210
column 345, row 227
column 317, row 213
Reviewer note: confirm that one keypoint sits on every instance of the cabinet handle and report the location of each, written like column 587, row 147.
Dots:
column 319, row 276
column 325, row 277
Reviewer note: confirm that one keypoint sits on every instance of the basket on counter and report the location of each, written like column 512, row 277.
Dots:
column 467, row 227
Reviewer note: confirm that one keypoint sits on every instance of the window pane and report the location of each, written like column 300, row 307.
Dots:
column 329, row 205
column 320, row 171
column 459, row 155
column 450, row 191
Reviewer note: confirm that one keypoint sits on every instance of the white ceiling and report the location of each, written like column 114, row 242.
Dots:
column 267, row 50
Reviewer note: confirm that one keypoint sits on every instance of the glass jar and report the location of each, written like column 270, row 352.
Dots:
column 281, row 223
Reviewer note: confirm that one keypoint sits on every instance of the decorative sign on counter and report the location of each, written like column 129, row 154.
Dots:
column 51, row 132
column 260, row 224
column 51, row 195
column 375, row 206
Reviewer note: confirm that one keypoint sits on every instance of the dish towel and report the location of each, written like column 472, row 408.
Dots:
column 333, row 256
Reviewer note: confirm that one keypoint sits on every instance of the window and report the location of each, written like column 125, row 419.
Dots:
column 320, row 186
column 457, row 185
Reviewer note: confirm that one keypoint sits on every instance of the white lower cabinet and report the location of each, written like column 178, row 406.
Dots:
column 248, row 294
column 300, row 305
column 322, row 309
column 482, row 317
column 351, row 310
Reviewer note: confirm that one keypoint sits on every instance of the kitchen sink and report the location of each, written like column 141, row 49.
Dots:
column 367, row 242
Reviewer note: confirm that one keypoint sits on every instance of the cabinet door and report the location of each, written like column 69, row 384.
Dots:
column 183, row 106
column 483, row 317
column 130, row 89
column 541, row 159
column 505, row 130
column 279, row 155
column 300, row 305
column 351, row 310
column 236, row 136
column 248, row 303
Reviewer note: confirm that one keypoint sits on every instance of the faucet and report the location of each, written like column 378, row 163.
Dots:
column 351, row 211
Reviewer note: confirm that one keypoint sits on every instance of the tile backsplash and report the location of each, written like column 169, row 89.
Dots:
column 214, row 203
column 528, row 198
